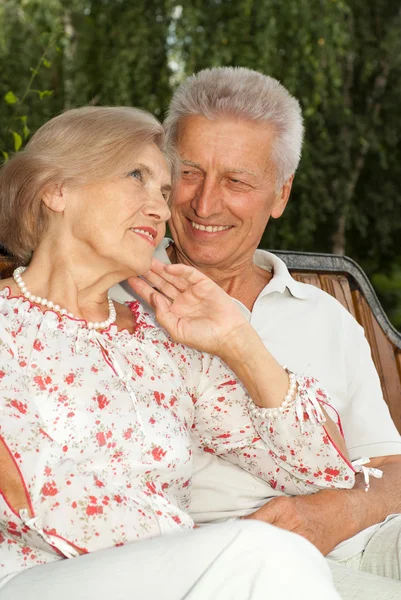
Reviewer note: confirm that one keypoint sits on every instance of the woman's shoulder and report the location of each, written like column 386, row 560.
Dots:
column 9, row 284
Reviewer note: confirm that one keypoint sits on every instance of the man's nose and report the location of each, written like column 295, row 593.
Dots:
column 206, row 199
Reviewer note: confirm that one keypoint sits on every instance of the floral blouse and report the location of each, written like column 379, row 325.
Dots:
column 100, row 426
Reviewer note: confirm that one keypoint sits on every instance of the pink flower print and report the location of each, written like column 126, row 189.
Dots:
column 159, row 396
column 102, row 401
column 173, row 400
column 151, row 487
column 70, row 378
column 37, row 344
column 177, row 519
column 94, row 510
column 333, row 472
column 2, row 538
column 229, row 382
column 50, row 489
column 158, row 453
column 101, row 438
column 139, row 370
column 20, row 406
column 127, row 434
column 39, row 382
column 25, row 550
column 2, row 374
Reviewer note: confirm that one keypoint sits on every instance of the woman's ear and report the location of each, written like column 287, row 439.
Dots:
column 54, row 198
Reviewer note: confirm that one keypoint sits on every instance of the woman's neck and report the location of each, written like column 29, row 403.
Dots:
column 80, row 285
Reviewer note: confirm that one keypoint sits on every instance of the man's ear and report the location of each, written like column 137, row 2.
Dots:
column 282, row 198
column 54, row 198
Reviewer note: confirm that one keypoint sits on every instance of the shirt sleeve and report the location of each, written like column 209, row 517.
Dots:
column 289, row 447
column 368, row 427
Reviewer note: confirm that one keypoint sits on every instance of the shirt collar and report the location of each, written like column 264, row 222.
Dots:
column 280, row 281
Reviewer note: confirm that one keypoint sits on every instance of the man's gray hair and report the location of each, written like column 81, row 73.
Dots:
column 245, row 94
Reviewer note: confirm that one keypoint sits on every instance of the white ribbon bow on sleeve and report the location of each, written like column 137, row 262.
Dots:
column 367, row 471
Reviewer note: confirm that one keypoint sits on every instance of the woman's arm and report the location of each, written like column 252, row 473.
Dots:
column 196, row 312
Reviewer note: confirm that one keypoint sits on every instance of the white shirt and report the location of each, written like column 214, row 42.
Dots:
column 312, row 333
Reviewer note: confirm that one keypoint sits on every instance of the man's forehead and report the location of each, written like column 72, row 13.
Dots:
column 225, row 167
column 233, row 145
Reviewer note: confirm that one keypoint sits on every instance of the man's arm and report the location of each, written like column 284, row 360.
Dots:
column 332, row 516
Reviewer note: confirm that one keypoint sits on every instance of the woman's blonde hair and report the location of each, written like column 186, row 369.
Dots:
column 77, row 147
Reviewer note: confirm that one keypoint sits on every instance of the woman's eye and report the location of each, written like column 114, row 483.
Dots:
column 137, row 174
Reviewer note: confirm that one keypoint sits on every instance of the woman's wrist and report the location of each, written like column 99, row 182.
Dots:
column 267, row 382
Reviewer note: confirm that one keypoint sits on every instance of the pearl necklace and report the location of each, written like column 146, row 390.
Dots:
column 44, row 302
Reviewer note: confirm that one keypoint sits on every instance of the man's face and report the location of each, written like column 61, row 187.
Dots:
column 226, row 192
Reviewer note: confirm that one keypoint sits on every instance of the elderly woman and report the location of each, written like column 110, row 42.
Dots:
column 97, row 402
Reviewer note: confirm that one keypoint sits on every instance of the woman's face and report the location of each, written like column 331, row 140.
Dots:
column 120, row 221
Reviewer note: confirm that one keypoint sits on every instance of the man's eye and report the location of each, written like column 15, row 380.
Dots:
column 137, row 174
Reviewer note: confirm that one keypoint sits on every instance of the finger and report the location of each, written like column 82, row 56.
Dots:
column 184, row 272
column 158, row 281
column 164, row 316
column 142, row 288
column 160, row 270
column 263, row 514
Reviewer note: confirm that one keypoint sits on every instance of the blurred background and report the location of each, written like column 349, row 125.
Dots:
column 340, row 58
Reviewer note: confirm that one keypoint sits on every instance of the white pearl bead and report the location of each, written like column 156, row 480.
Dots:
column 63, row 311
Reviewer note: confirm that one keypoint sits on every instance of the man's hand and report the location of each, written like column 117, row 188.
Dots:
column 332, row 516
column 305, row 516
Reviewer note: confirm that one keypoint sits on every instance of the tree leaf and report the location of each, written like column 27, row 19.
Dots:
column 5, row 154
column 17, row 141
column 10, row 98
column 45, row 93
column 26, row 131
column 47, row 63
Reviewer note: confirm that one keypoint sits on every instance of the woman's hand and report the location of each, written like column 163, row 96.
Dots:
column 192, row 308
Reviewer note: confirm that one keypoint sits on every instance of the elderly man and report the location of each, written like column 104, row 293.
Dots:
column 239, row 136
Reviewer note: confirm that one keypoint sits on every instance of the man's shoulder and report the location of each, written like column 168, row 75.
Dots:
column 313, row 297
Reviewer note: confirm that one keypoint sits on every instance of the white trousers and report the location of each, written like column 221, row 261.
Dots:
column 239, row 560
column 374, row 574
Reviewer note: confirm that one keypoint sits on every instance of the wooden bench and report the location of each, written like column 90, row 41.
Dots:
column 345, row 280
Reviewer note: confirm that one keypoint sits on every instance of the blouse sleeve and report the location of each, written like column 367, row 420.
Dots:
column 288, row 447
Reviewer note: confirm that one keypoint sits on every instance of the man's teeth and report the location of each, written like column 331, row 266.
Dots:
column 149, row 235
column 210, row 228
